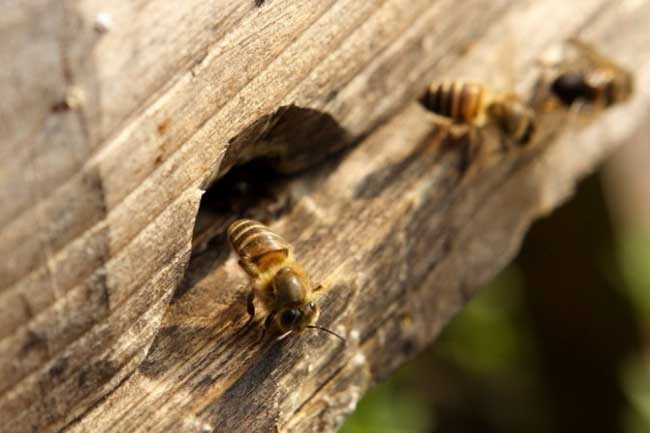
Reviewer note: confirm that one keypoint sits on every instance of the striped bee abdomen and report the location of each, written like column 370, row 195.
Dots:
column 256, row 242
column 460, row 101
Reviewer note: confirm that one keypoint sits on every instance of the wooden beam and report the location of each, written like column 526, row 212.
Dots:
column 110, row 141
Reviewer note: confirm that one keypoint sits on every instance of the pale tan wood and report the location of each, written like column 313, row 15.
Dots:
column 99, row 201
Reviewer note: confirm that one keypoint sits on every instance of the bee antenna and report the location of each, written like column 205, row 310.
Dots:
column 329, row 331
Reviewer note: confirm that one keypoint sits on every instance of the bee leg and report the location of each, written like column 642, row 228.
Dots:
column 458, row 131
column 248, row 266
column 573, row 118
column 250, row 306
column 269, row 320
column 455, row 130
column 576, row 109
column 474, row 144
column 267, row 324
column 470, row 144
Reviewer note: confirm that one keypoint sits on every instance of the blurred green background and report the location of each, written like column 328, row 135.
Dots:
column 558, row 342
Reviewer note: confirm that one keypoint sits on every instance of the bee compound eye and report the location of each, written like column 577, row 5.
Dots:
column 570, row 87
column 289, row 317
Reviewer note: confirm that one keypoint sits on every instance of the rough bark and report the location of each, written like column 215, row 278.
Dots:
column 121, row 310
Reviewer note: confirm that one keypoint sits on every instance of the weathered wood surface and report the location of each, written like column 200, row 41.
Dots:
column 99, row 201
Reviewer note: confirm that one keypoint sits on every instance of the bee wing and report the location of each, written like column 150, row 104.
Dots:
column 589, row 54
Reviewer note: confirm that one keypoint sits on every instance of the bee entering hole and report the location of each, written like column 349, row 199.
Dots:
column 278, row 280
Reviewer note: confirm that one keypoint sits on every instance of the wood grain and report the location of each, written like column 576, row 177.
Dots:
column 100, row 201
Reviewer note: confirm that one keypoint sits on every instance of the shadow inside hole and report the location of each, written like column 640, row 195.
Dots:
column 291, row 139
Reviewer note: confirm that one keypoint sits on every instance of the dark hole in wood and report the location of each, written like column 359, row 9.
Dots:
column 254, row 176
column 289, row 140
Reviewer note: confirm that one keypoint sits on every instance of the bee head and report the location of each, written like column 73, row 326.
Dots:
column 606, row 87
column 295, row 311
column 570, row 87
column 298, row 318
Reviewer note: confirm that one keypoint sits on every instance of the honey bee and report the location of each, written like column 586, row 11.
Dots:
column 278, row 280
column 474, row 104
column 583, row 76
